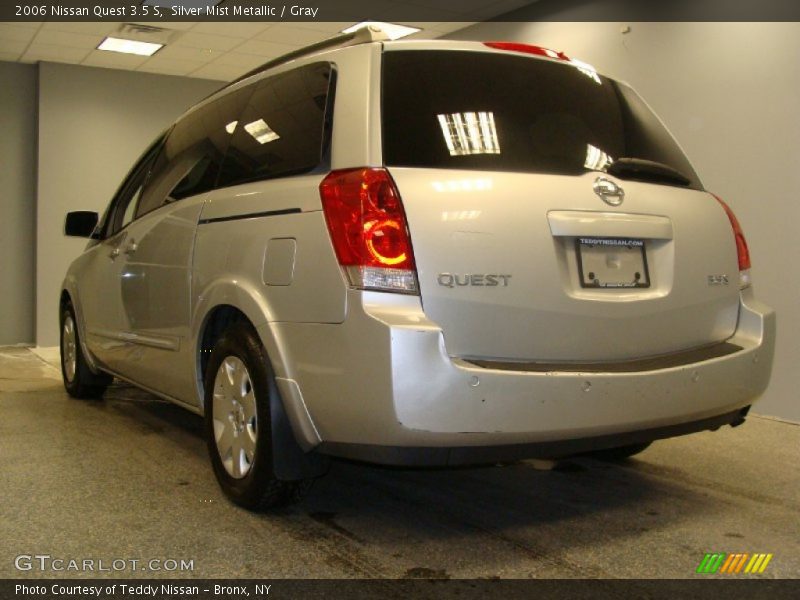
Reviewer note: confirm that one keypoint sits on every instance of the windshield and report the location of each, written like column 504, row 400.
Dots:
column 500, row 112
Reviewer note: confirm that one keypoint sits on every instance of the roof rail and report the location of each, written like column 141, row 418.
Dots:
column 363, row 35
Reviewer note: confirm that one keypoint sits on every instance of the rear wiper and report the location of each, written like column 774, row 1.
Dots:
column 646, row 170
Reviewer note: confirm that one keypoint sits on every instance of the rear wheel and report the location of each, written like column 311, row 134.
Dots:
column 621, row 453
column 79, row 380
column 238, row 387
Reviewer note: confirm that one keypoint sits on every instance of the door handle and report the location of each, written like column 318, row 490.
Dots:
column 114, row 253
column 131, row 247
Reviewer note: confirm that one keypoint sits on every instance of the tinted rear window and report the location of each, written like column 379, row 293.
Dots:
column 282, row 130
column 497, row 112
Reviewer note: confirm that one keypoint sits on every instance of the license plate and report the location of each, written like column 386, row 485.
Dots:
column 612, row 263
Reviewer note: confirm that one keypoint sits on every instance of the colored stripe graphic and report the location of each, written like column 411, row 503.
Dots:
column 759, row 563
column 740, row 563
column 731, row 559
column 711, row 562
column 755, row 562
column 743, row 560
column 714, row 562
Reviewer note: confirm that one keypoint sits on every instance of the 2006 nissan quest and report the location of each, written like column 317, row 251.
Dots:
column 417, row 253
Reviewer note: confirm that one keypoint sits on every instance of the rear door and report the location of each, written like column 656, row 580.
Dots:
column 155, row 280
column 98, row 287
column 530, row 245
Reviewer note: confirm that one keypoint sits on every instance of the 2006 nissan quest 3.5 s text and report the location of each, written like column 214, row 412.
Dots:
column 417, row 253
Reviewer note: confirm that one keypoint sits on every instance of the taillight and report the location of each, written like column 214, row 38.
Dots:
column 527, row 49
column 742, row 252
column 368, row 229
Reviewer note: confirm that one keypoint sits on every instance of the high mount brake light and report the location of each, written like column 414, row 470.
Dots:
column 742, row 251
column 527, row 49
column 368, row 229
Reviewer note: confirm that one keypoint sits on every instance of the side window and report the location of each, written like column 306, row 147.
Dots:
column 189, row 162
column 123, row 206
column 282, row 129
column 130, row 209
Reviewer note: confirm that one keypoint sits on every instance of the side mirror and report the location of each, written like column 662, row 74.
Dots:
column 80, row 223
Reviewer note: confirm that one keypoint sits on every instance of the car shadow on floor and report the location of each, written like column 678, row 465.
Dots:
column 361, row 504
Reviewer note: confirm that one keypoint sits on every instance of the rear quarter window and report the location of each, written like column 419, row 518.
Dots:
column 282, row 130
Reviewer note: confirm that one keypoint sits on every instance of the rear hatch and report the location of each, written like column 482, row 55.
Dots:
column 552, row 216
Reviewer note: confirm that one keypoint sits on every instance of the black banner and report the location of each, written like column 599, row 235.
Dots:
column 464, row 589
column 404, row 11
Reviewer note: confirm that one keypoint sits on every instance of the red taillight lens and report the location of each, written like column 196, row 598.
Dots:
column 742, row 252
column 527, row 49
column 368, row 229
column 741, row 244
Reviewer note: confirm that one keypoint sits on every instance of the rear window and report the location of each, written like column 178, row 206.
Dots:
column 497, row 112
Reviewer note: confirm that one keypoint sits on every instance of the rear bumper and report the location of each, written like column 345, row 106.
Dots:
column 380, row 387
column 474, row 455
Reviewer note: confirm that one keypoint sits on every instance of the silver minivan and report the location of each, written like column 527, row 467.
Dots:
column 417, row 253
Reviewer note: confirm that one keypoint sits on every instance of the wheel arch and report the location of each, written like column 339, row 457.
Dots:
column 222, row 303
column 64, row 298
column 226, row 303
column 69, row 295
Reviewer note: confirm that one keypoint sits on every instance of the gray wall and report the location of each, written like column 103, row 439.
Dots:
column 729, row 92
column 93, row 125
column 17, row 201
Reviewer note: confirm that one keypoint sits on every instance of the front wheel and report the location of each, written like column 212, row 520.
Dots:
column 238, row 387
column 79, row 381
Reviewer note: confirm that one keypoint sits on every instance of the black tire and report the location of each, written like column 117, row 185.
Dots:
column 79, row 380
column 257, row 488
column 621, row 453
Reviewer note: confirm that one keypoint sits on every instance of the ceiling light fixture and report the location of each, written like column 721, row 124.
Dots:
column 112, row 44
column 393, row 30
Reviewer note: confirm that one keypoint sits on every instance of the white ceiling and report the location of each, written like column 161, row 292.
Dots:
column 210, row 50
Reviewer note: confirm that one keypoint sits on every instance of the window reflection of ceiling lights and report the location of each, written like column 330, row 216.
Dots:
column 393, row 30
column 469, row 133
column 261, row 132
column 596, row 159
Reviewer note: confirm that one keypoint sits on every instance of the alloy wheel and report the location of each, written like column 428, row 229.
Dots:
column 235, row 417
column 69, row 354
